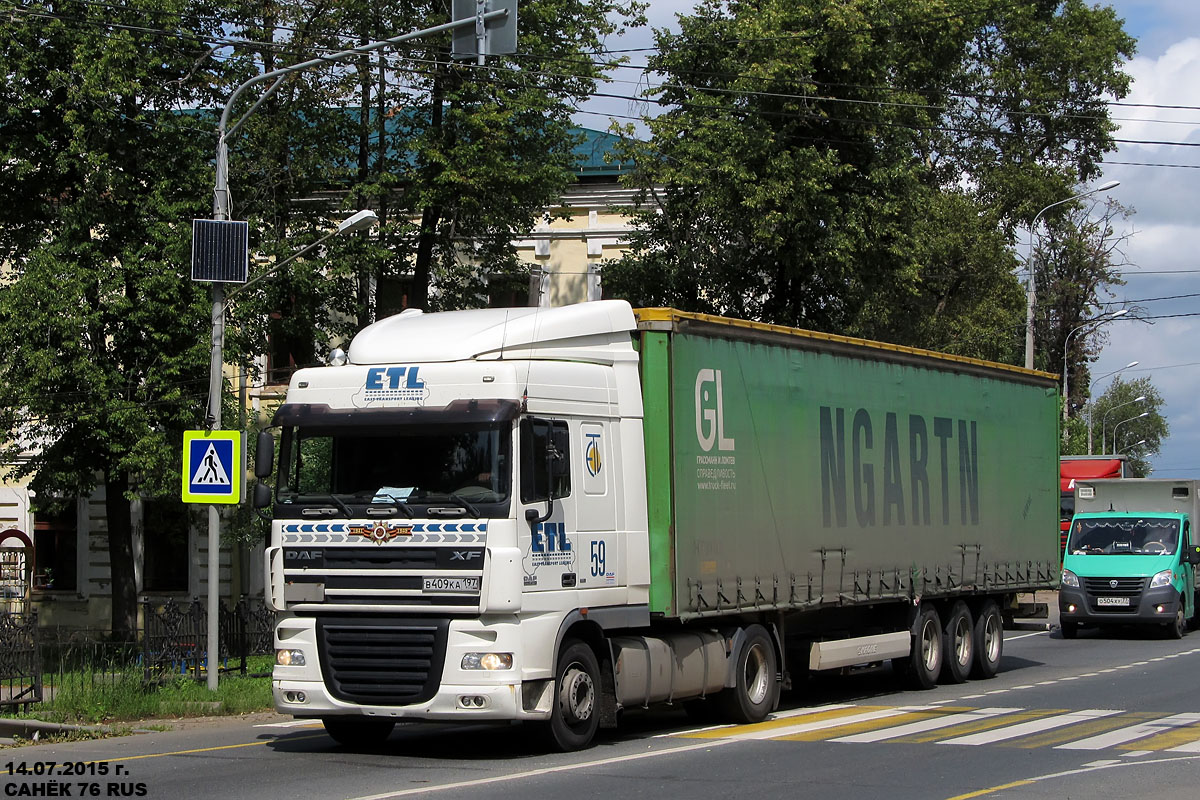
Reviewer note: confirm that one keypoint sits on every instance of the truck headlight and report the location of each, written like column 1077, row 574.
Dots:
column 1070, row 578
column 488, row 661
column 289, row 658
column 1161, row 579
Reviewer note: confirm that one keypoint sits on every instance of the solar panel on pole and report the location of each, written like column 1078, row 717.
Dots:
column 220, row 251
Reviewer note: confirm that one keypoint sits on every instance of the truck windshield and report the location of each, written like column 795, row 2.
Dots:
column 409, row 465
column 1124, row 536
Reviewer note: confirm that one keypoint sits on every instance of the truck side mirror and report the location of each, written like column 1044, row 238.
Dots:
column 264, row 456
column 1193, row 555
column 262, row 495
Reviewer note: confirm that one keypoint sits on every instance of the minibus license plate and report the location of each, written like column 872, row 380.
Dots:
column 470, row 584
column 1112, row 601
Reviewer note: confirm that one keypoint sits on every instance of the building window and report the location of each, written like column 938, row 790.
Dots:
column 54, row 548
column 165, row 551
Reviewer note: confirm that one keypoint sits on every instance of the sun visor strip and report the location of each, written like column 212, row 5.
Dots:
column 458, row 412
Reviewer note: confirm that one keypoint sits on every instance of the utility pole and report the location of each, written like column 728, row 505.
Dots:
column 480, row 28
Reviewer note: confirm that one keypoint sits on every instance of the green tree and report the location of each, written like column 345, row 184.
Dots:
column 860, row 167
column 458, row 159
column 1116, row 413
column 104, row 169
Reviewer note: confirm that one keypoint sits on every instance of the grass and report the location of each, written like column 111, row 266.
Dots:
column 126, row 696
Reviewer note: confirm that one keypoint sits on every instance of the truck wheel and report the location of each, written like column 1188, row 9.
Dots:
column 575, row 712
column 358, row 731
column 1069, row 630
column 925, row 660
column 958, row 645
column 756, row 684
column 989, row 641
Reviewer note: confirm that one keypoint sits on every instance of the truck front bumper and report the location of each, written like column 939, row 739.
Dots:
column 460, row 694
column 1157, row 605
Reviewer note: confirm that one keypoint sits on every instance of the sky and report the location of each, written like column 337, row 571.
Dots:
column 1163, row 244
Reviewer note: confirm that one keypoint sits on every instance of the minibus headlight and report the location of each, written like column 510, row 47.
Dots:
column 1070, row 578
column 1161, row 579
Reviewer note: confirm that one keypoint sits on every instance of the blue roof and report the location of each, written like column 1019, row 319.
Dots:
column 591, row 151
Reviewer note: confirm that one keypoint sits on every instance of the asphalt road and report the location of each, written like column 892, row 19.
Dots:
column 1103, row 716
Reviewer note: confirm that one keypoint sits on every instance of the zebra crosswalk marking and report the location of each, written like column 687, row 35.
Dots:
column 1131, row 733
column 1183, row 740
column 1080, row 730
column 773, row 729
column 1031, row 727
column 866, row 725
column 977, row 726
column 925, row 725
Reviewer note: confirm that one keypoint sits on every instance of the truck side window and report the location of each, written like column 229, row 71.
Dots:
column 540, row 437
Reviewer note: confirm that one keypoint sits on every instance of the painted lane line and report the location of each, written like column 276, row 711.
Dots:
column 1137, row 753
column 1031, row 727
column 296, row 723
column 1024, row 636
column 537, row 773
column 1132, row 733
column 926, row 725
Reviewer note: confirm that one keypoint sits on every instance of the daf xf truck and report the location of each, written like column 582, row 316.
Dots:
column 552, row 515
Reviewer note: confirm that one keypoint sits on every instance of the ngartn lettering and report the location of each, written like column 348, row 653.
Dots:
column 852, row 460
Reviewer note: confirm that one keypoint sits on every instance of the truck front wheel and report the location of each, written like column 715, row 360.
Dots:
column 756, row 679
column 574, row 715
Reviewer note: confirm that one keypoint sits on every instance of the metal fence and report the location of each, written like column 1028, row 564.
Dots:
column 20, row 667
column 38, row 665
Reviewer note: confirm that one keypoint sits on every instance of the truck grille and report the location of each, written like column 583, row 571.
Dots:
column 1114, row 587
column 381, row 661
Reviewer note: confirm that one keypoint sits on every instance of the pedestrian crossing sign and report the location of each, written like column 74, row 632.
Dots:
column 214, row 467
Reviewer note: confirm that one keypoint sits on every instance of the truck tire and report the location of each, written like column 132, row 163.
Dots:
column 358, row 732
column 989, row 641
column 958, row 647
column 1069, row 630
column 575, row 712
column 755, row 688
column 925, row 660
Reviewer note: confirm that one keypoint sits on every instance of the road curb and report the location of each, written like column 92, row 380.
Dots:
column 28, row 728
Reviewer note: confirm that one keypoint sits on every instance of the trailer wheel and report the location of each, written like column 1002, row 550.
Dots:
column 575, row 712
column 358, row 732
column 925, row 660
column 989, row 641
column 756, row 684
column 958, row 645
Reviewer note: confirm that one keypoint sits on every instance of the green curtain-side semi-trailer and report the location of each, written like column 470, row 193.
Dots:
column 556, row 514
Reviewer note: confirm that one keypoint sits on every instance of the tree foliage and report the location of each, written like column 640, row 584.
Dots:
column 860, row 167
column 98, row 317
column 1115, row 413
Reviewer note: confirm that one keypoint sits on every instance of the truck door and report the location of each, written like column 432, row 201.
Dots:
column 1189, row 571
column 550, row 558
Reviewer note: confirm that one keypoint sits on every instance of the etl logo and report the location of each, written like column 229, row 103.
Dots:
column 710, row 411
column 394, row 383
column 551, row 537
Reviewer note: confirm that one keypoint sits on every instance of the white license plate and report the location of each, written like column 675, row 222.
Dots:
column 1112, row 601
column 470, row 584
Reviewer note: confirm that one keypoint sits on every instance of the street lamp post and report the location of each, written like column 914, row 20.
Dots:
column 1104, row 418
column 1122, row 422
column 1066, row 351
column 1092, row 406
column 1134, row 446
column 1031, row 296
column 222, row 209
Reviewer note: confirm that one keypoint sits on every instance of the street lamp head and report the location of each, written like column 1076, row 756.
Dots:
column 1119, row 313
column 363, row 219
column 1140, row 399
column 1104, row 187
